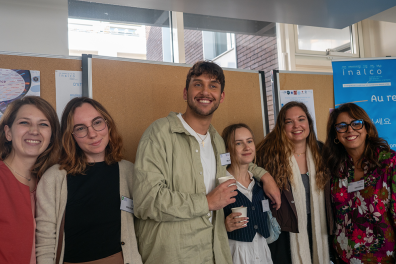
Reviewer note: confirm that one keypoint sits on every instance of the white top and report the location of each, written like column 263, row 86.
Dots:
column 257, row 251
column 207, row 155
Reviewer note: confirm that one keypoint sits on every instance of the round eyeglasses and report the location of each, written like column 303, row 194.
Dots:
column 355, row 125
column 81, row 131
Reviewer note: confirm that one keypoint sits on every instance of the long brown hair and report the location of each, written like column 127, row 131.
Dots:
column 228, row 136
column 274, row 152
column 51, row 155
column 335, row 154
column 73, row 159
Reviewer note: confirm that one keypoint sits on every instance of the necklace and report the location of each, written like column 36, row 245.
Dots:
column 202, row 140
column 29, row 179
column 298, row 154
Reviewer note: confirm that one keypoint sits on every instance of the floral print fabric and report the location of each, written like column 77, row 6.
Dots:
column 365, row 219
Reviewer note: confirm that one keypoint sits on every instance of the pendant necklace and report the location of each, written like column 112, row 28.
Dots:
column 299, row 154
column 16, row 171
column 202, row 140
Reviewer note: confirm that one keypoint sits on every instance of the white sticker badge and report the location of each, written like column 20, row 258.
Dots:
column 225, row 159
column 126, row 204
column 266, row 206
column 355, row 186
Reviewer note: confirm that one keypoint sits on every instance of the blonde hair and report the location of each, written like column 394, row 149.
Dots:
column 228, row 136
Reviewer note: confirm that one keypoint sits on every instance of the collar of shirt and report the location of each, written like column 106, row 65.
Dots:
column 251, row 184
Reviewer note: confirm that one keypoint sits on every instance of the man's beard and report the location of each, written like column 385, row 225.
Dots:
column 199, row 111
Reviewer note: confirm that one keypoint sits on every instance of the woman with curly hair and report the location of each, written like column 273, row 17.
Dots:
column 290, row 153
column 29, row 145
column 363, row 186
column 78, row 200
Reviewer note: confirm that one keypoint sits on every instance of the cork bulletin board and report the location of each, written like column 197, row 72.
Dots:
column 46, row 66
column 322, row 86
column 136, row 94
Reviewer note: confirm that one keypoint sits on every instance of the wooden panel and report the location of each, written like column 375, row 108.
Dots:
column 137, row 94
column 322, row 86
column 46, row 66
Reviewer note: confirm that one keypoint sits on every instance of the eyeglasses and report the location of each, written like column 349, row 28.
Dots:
column 355, row 125
column 81, row 131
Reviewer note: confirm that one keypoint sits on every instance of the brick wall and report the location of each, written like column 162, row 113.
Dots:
column 154, row 43
column 193, row 46
column 260, row 54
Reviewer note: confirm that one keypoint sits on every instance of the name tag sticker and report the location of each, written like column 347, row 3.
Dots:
column 355, row 186
column 126, row 204
column 266, row 206
column 225, row 159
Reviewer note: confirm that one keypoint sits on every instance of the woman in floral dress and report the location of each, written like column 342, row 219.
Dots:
column 363, row 187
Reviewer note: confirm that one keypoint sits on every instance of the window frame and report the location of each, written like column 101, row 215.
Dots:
column 354, row 45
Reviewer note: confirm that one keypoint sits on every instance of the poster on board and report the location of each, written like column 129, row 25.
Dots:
column 68, row 86
column 371, row 84
column 303, row 96
column 15, row 84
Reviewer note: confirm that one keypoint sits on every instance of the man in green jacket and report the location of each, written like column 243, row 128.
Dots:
column 179, row 209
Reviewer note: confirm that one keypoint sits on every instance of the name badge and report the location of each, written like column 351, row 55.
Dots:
column 225, row 159
column 266, row 206
column 355, row 186
column 126, row 204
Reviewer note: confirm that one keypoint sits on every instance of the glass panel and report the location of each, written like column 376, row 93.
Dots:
column 119, row 31
column 322, row 39
column 232, row 43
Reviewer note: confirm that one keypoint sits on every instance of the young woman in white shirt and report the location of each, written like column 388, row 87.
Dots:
column 247, row 235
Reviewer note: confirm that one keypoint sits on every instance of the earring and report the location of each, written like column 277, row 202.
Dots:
column 336, row 142
column 185, row 100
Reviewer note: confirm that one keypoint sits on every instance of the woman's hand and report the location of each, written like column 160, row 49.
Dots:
column 233, row 223
column 271, row 190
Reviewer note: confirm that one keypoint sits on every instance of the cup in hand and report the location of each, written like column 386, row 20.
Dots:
column 242, row 210
column 226, row 178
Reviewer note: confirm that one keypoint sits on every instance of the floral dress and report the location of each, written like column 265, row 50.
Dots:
column 365, row 219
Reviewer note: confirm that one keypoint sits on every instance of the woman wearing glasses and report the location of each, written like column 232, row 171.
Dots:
column 362, row 187
column 78, row 201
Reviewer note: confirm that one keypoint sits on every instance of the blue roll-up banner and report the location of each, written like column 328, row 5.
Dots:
column 371, row 84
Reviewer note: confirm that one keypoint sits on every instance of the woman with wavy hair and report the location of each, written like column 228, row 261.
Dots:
column 78, row 200
column 290, row 153
column 29, row 145
column 363, row 186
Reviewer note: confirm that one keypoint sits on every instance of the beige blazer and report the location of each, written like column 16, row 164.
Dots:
column 51, row 203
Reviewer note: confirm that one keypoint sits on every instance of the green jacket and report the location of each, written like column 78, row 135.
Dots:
column 170, row 197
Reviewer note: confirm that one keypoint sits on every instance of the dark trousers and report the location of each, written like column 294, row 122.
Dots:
column 280, row 249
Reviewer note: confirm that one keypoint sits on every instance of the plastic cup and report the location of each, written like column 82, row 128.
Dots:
column 226, row 178
column 242, row 210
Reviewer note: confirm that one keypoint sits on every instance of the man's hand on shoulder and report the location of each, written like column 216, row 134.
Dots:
column 222, row 195
column 271, row 190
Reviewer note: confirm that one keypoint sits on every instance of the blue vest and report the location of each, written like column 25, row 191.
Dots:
column 258, row 220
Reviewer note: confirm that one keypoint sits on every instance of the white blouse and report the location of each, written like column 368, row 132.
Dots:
column 257, row 251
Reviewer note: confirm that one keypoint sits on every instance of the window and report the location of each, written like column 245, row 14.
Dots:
column 326, row 41
column 219, row 47
column 118, row 31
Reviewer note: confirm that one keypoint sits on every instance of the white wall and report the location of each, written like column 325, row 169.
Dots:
column 34, row 26
column 379, row 38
